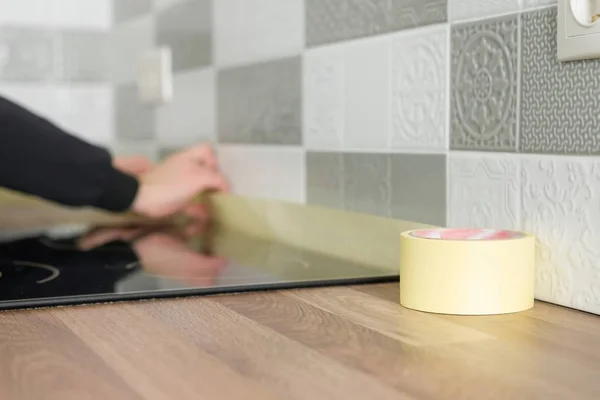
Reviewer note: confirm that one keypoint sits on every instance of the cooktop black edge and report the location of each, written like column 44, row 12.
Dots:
column 180, row 293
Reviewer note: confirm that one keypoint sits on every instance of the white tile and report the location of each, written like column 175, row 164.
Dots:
column 247, row 31
column 561, row 206
column 275, row 173
column 190, row 117
column 130, row 40
column 529, row 4
column 323, row 98
column 86, row 111
column 163, row 4
column 484, row 191
column 63, row 13
column 471, row 9
column 419, row 89
column 367, row 94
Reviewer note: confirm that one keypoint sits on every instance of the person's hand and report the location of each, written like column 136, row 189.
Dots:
column 135, row 165
column 174, row 184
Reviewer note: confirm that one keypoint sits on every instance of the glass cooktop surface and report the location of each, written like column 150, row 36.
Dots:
column 40, row 269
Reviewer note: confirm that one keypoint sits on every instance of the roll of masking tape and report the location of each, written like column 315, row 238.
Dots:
column 467, row 271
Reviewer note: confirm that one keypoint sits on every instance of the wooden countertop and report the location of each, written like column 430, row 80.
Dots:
column 329, row 343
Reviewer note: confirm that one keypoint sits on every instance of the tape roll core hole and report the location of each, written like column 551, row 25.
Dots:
column 466, row 234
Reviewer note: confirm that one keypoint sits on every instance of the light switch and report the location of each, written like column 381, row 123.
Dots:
column 578, row 29
column 155, row 77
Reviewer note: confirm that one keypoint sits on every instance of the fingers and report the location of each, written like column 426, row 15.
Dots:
column 203, row 154
column 101, row 237
column 136, row 165
column 210, row 180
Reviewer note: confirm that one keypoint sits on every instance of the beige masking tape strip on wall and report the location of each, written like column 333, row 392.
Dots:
column 444, row 276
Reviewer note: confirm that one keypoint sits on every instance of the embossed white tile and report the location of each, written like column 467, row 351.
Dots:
column 130, row 40
column 190, row 117
column 471, row 9
column 257, row 30
column 419, row 89
column 484, row 191
column 323, row 98
column 367, row 94
column 561, row 206
column 34, row 96
column 276, row 173
column 64, row 13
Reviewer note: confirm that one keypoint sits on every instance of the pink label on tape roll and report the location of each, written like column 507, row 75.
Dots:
column 466, row 234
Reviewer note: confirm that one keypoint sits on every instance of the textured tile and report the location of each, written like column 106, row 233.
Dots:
column 261, row 104
column 329, row 21
column 324, row 95
column 484, row 191
column 561, row 206
column 190, row 117
column 27, row 54
column 484, row 85
column 367, row 186
column 367, row 95
column 261, row 172
column 470, row 9
column 418, row 188
column 133, row 119
column 64, row 13
column 419, row 89
column 129, row 42
column 186, row 29
column 85, row 56
column 127, row 9
column 559, row 101
column 325, row 179
column 257, row 30
column 86, row 111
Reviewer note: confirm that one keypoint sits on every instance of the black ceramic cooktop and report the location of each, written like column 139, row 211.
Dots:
column 42, row 270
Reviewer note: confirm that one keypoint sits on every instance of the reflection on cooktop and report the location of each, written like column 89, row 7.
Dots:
column 40, row 270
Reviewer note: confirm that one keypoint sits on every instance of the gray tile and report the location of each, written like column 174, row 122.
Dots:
column 419, row 188
column 560, row 102
column 84, row 56
column 133, row 119
column 261, row 103
column 329, row 21
column 27, row 54
column 128, row 9
column 186, row 29
column 367, row 180
column 325, row 179
column 484, row 85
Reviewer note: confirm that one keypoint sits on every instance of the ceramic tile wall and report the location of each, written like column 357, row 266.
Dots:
column 451, row 112
column 54, row 60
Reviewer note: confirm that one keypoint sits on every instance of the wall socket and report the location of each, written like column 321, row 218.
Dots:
column 155, row 77
column 578, row 29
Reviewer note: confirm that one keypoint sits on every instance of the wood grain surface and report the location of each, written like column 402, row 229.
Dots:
column 328, row 343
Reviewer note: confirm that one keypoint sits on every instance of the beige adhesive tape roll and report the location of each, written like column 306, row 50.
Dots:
column 467, row 271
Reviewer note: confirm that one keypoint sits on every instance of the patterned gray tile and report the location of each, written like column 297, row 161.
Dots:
column 325, row 179
column 186, row 29
column 261, row 103
column 418, row 187
column 329, row 21
column 27, row 54
column 84, row 56
column 367, row 180
column 128, row 9
column 560, row 102
column 485, row 85
column 133, row 119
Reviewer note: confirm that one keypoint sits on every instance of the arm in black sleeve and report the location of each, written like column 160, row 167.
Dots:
column 40, row 159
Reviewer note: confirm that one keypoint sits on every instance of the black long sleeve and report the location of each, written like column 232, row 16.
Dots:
column 40, row 159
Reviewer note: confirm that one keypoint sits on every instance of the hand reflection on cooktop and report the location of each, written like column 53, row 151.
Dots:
column 93, row 264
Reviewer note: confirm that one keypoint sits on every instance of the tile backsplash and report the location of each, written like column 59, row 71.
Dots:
column 449, row 112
